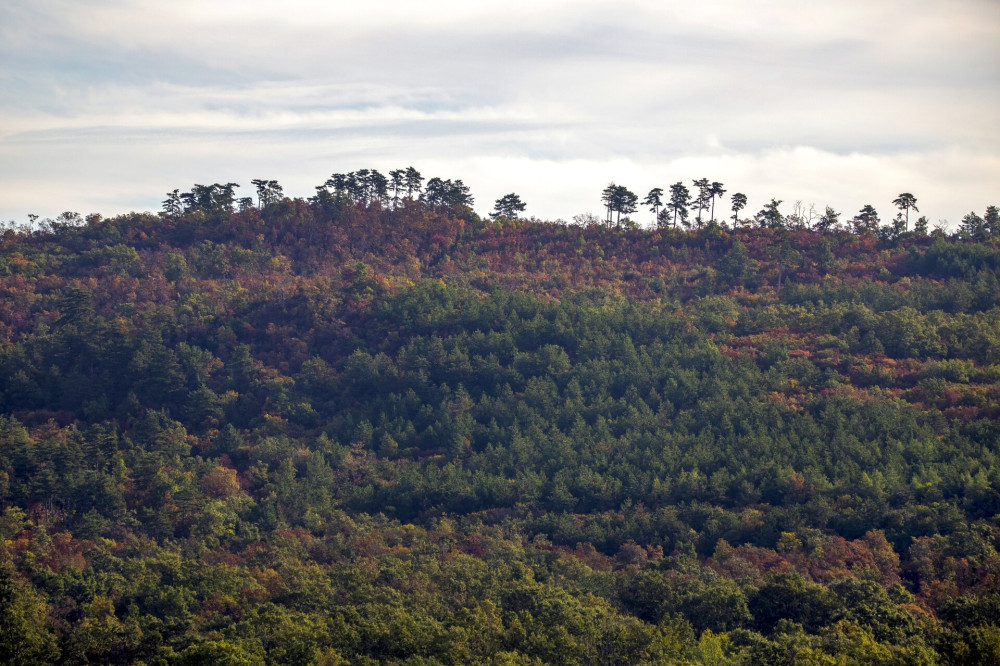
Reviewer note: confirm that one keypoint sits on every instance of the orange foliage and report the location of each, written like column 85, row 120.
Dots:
column 221, row 482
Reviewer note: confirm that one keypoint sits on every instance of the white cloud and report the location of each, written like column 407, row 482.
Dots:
column 832, row 102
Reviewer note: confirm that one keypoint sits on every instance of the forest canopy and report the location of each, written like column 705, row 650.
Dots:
column 373, row 427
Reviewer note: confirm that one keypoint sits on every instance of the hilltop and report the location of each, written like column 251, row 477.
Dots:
column 337, row 431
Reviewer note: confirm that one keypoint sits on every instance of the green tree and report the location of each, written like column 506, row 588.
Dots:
column 268, row 192
column 736, row 267
column 215, row 199
column 866, row 221
column 618, row 199
column 769, row 216
column 447, row 195
column 788, row 596
column 414, row 182
column 608, row 198
column 906, row 202
column 715, row 190
column 375, row 187
column 24, row 634
column 509, row 206
column 739, row 202
column 992, row 221
column 628, row 202
column 973, row 228
column 680, row 199
column 172, row 205
column 702, row 198
column 867, row 603
column 397, row 178
column 655, row 201
column 339, row 183
column 218, row 653
column 828, row 221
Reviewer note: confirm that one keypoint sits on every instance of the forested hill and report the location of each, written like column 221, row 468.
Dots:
column 324, row 432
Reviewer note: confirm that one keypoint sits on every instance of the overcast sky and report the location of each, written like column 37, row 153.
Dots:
column 105, row 105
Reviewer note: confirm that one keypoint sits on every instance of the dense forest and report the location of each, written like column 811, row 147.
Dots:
column 373, row 427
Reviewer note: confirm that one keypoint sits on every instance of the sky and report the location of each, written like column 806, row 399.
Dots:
column 106, row 105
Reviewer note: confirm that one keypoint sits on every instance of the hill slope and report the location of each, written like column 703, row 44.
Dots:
column 338, row 434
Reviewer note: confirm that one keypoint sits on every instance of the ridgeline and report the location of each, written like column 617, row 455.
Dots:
column 340, row 432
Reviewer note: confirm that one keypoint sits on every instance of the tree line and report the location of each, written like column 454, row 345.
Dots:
column 682, row 203
column 309, row 433
column 691, row 208
column 365, row 187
